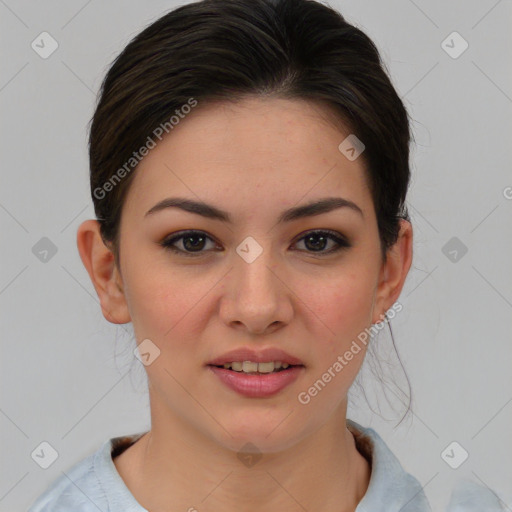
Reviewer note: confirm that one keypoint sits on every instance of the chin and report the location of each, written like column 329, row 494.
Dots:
column 262, row 437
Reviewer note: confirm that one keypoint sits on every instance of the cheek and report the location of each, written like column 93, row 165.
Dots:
column 344, row 302
column 344, row 307
column 166, row 306
column 339, row 310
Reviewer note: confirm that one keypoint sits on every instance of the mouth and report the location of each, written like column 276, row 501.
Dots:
column 257, row 380
column 254, row 368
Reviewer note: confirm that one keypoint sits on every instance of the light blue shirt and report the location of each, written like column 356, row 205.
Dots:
column 94, row 485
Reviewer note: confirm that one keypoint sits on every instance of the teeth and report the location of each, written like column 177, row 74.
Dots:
column 264, row 367
column 252, row 367
column 249, row 367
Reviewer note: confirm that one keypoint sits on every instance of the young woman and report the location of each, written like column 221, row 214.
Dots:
column 249, row 168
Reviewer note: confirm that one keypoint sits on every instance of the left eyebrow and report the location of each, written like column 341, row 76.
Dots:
column 317, row 207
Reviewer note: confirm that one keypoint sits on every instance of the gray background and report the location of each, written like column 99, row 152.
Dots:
column 65, row 371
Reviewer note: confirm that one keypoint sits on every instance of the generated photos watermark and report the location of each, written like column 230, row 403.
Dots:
column 304, row 397
column 133, row 161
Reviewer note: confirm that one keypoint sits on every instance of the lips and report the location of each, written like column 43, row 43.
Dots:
column 257, row 385
column 256, row 356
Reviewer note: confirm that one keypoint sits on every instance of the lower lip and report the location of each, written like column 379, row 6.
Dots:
column 257, row 386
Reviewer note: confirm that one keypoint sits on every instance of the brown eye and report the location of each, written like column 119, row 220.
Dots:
column 192, row 243
column 317, row 241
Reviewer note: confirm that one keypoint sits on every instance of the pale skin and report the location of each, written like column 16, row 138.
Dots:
column 253, row 160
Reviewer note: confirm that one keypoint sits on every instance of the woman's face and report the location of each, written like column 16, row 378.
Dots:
column 255, row 282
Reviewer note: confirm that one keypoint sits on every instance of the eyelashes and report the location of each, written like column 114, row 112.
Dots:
column 195, row 239
column 169, row 243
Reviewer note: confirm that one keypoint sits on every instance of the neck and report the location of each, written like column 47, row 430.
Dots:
column 174, row 467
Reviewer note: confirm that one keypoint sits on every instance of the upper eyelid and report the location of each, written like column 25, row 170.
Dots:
column 181, row 234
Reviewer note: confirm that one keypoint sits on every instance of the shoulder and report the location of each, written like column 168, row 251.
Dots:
column 78, row 489
column 389, row 483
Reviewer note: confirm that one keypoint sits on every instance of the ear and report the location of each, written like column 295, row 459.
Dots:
column 99, row 261
column 393, row 272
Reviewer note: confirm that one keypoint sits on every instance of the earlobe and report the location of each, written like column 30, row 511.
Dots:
column 99, row 262
column 394, row 272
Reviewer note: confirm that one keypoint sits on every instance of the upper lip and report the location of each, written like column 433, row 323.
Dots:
column 256, row 356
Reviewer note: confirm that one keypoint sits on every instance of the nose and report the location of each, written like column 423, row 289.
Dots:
column 256, row 298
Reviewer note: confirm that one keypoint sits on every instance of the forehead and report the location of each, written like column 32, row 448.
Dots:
column 254, row 154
